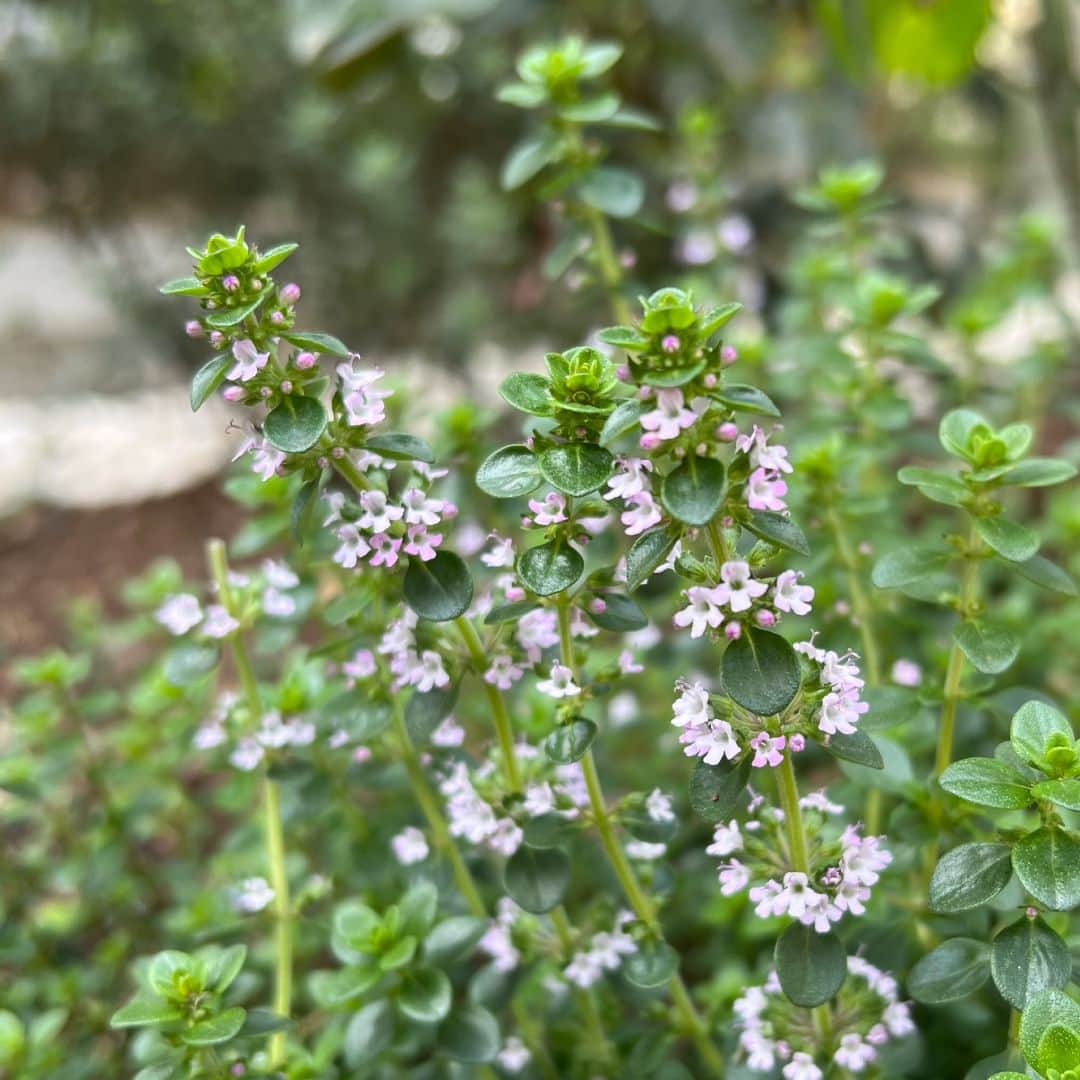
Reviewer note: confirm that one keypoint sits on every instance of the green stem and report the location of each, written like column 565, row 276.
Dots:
column 954, row 670
column 503, row 728
column 432, row 811
column 610, row 270
column 271, row 802
column 860, row 602
column 638, row 898
column 800, row 860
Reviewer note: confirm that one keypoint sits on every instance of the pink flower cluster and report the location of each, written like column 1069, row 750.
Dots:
column 765, row 487
column 841, row 707
column 605, row 952
column 769, row 1025
column 743, row 595
column 362, row 400
column 845, row 869
column 422, row 669
column 671, row 417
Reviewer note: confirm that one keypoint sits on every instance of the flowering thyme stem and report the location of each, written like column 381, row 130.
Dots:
column 954, row 670
column 429, row 805
column 610, row 270
column 503, row 728
column 275, row 837
column 639, row 900
column 800, row 860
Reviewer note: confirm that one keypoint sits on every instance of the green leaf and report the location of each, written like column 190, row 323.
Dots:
column 425, row 995
column 183, row 286
column 215, row 1029
column 1032, row 725
column 857, row 747
column 620, row 615
column 623, row 418
column 716, row 317
column 528, row 392
column 935, row 484
column 1038, row 472
column 950, row 972
column 425, row 712
column 188, row 662
column 986, row 782
column 536, row 878
column 616, row 192
column 1045, row 1010
column 453, row 939
column 144, row 1010
column 550, row 568
column 715, row 789
column 969, row 876
column 161, row 1070
column 547, row 830
column 471, row 1034
column 1009, row 539
column 418, row 908
column 955, row 429
column 907, row 566
column 440, row 589
column 510, row 472
column 1047, row 862
column 316, row 343
column 369, row 1033
column 576, row 468
column 401, row 446
column 208, row 378
column 598, row 57
column 991, row 649
column 363, row 720
column 224, row 966
column 295, row 425
column 274, row 257
column 227, row 317
column 778, row 529
column 399, row 954
column 647, row 552
column 1064, row 793
column 527, row 158
column 509, row 612
column 333, row 988
column 624, row 337
column 1059, row 1050
column 652, row 965
column 761, row 671
column 1026, row 958
column 694, row 491
column 261, row 1022
column 811, row 966
column 568, row 742
column 745, row 398
column 1047, row 575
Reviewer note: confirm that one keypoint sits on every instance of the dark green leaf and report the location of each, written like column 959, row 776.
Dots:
column 746, row 399
column 811, row 966
column 1047, row 862
column 399, row 445
column 616, row 192
column 547, row 830
column 857, row 747
column 1032, row 725
column 453, row 939
column 1009, row 539
column 991, row 649
column 986, row 782
column 208, row 378
column 761, row 671
column 274, row 257
column 715, row 789
column 576, row 468
column 509, row 612
column 568, row 742
column 143, row 1010
column 778, row 529
column 1047, row 575
column 717, row 317
column 536, row 878
column 510, row 472
column 620, row 615
column 369, row 1033
column 550, row 568
column 215, row 1029
column 647, row 552
column 624, row 337
column 425, row 712
column 1026, row 958
column 226, row 317
column 652, row 965
column 315, row 342
column 425, row 995
column 528, row 392
column 440, row 589
column 969, row 876
column 295, row 425
column 623, row 418
column 1064, row 793
column 471, row 1034
column 694, row 491
column 1048, row 1009
column 908, row 565
column 950, row 972
column 184, row 286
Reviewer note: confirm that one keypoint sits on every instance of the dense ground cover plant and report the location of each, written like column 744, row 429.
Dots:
column 600, row 751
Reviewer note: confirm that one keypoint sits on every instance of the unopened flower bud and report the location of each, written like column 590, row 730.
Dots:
column 679, row 452
column 515, row 593
column 230, row 283
column 290, row 293
column 728, row 355
column 193, row 328
column 277, row 318
column 727, row 432
column 627, row 258
column 530, row 442
column 622, row 373
column 256, row 283
column 727, row 521
column 217, row 339
column 670, row 343
column 645, row 393
column 701, row 449
column 710, row 380
column 765, row 618
column 796, row 743
column 338, row 452
column 733, row 630
column 306, row 360
column 265, row 391
column 234, row 393
column 323, row 462
column 286, row 386
column 580, row 432
column 598, row 605
column 649, row 441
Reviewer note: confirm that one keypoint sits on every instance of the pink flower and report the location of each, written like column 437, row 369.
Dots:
column 630, row 479
column 906, row 673
column 642, row 514
column 361, row 666
column 670, row 417
column 713, row 742
column 738, row 589
column 560, row 683
column 385, row 550
column 377, row 513
column 703, row 610
column 503, row 672
column 421, row 543
column 249, row 361
column 764, row 493
column 628, row 665
column 767, row 750
column 789, row 595
column 419, row 509
column 353, row 546
column 551, row 510
column 501, row 553
column 763, row 456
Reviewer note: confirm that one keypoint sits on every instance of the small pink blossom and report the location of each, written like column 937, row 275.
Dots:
column 551, row 510
column 790, row 596
column 764, row 492
column 767, row 750
column 385, row 550
column 249, row 361
column 670, row 417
